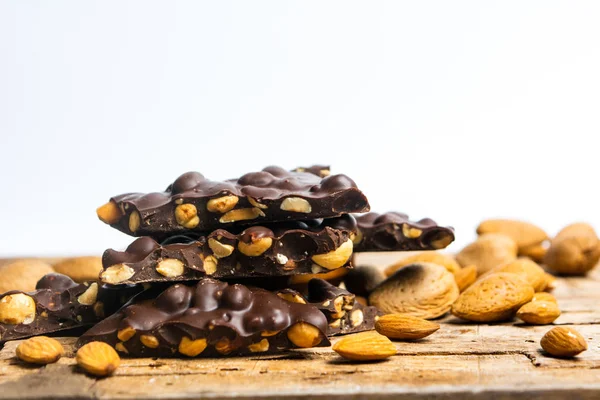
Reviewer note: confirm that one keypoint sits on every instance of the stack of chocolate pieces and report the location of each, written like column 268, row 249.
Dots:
column 225, row 268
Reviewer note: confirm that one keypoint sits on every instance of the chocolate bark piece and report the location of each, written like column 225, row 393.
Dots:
column 393, row 231
column 295, row 247
column 195, row 203
column 57, row 304
column 211, row 319
column 344, row 314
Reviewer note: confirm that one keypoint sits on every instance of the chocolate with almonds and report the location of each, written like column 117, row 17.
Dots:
column 211, row 319
column 393, row 231
column 194, row 203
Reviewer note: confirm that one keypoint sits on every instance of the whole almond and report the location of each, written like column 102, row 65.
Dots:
column 523, row 233
column 536, row 252
column 544, row 296
column 434, row 257
column 465, row 277
column 80, row 269
column 539, row 312
column 402, row 326
column 40, row 350
column 98, row 358
column 365, row 346
column 23, row 274
column 563, row 342
column 496, row 297
column 487, row 252
column 423, row 290
column 527, row 269
column 574, row 251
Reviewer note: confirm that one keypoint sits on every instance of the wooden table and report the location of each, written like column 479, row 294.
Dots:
column 460, row 361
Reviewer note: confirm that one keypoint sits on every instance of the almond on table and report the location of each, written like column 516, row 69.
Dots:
column 365, row 346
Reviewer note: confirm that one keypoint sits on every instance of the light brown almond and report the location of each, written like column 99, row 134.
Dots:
column 80, row 269
column 402, row 326
column 536, row 252
column 365, row 346
column 98, row 358
column 423, row 290
column 496, row 297
column 40, row 350
column 23, row 274
column 526, row 269
column 574, row 251
column 435, row 257
column 465, row 277
column 539, row 312
column 544, row 296
column 487, row 252
column 562, row 341
column 523, row 233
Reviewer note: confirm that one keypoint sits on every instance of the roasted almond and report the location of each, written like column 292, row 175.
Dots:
column 423, row 290
column 574, row 251
column 563, row 342
column 526, row 269
column 40, row 350
column 539, row 312
column 435, row 257
column 402, row 326
column 523, row 233
column 98, row 358
column 487, row 252
column 496, row 297
column 365, row 346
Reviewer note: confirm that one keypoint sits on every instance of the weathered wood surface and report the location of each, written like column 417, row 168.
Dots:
column 461, row 360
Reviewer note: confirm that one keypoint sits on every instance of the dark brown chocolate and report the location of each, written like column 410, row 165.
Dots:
column 362, row 280
column 344, row 314
column 393, row 231
column 280, row 249
column 194, row 203
column 57, row 304
column 208, row 319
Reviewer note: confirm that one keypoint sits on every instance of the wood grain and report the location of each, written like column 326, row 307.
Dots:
column 461, row 360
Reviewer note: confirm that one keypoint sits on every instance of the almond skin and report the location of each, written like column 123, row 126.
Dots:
column 40, row 350
column 423, row 290
column 435, row 257
column 563, row 342
column 526, row 269
column 523, row 233
column 465, row 277
column 98, row 358
column 487, row 252
column 401, row 326
column 365, row 346
column 496, row 297
column 539, row 312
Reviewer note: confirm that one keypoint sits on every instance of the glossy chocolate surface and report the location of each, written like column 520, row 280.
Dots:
column 393, row 231
column 58, row 306
column 230, row 318
column 286, row 248
column 273, row 194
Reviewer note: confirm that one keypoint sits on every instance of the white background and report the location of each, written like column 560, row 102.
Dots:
column 457, row 111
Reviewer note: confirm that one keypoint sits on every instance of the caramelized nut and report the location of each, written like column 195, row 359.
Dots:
column 259, row 347
column 224, row 346
column 219, row 249
column 149, row 341
column 292, row 297
column 170, row 267
column 296, row 204
column 256, row 247
column 210, row 265
column 255, row 203
column 304, row 335
column 126, row 333
column 89, row 297
column 17, row 308
column 134, row 221
column 335, row 258
column 222, row 204
column 116, row 274
column 410, row 232
column 356, row 318
column 192, row 348
column 241, row 214
column 109, row 213
column 186, row 215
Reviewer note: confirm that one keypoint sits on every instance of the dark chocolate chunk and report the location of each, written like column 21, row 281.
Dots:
column 211, row 318
column 57, row 304
column 362, row 280
column 279, row 249
column 344, row 314
column 393, row 231
column 194, row 203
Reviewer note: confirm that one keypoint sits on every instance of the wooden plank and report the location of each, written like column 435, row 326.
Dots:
column 461, row 360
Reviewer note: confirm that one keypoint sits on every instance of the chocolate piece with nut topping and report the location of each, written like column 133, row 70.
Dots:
column 393, row 231
column 194, row 203
column 57, row 304
column 208, row 319
column 279, row 249
column 344, row 314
